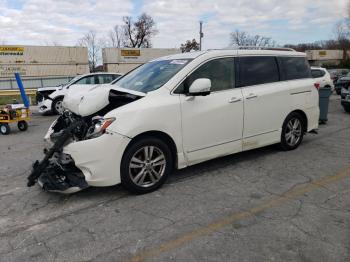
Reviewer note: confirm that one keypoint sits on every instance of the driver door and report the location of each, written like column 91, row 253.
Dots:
column 212, row 125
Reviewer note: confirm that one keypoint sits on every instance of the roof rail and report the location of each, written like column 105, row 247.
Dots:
column 260, row 48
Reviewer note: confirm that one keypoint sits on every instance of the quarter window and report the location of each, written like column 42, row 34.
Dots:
column 219, row 71
column 295, row 68
column 256, row 70
column 317, row 73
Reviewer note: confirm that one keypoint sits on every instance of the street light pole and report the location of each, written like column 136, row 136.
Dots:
column 200, row 35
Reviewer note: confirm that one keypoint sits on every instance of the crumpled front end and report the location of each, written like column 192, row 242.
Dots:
column 61, row 175
column 83, row 152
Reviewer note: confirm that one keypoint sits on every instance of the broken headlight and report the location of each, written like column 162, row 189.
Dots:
column 99, row 126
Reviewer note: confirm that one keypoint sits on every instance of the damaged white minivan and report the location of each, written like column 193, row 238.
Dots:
column 177, row 111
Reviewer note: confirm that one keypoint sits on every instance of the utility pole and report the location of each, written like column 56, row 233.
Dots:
column 200, row 35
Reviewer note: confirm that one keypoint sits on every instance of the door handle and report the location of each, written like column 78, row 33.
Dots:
column 234, row 100
column 251, row 96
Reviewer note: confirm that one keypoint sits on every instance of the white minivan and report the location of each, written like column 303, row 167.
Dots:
column 177, row 111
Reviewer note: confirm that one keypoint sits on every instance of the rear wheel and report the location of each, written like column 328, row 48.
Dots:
column 5, row 129
column 146, row 165
column 292, row 131
column 22, row 125
column 57, row 106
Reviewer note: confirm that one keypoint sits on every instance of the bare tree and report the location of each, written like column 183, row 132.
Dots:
column 117, row 36
column 241, row 38
column 140, row 32
column 90, row 41
column 189, row 46
column 52, row 43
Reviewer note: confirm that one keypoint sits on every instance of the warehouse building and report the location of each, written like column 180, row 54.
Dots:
column 122, row 60
column 326, row 57
column 41, row 65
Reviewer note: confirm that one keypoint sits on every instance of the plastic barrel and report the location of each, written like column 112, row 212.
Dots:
column 324, row 94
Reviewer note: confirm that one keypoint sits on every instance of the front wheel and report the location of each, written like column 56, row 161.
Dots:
column 5, row 129
column 57, row 106
column 146, row 165
column 292, row 132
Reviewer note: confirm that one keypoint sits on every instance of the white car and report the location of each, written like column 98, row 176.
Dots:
column 50, row 98
column 177, row 111
column 323, row 77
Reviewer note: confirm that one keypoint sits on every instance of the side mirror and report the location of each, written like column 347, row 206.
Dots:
column 200, row 87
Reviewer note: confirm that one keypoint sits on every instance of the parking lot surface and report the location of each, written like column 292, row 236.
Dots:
column 261, row 205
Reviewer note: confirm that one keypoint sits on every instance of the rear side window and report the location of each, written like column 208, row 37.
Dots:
column 317, row 73
column 294, row 68
column 256, row 70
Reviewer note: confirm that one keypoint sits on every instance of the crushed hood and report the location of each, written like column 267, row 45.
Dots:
column 49, row 88
column 86, row 101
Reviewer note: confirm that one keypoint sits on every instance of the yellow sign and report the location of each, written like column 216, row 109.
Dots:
column 130, row 52
column 11, row 50
column 322, row 53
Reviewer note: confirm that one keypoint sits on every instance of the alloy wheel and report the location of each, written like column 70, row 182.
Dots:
column 147, row 166
column 59, row 106
column 293, row 132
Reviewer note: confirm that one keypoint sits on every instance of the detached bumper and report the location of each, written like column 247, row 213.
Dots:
column 99, row 158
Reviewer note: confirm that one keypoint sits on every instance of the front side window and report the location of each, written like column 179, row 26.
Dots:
column 256, row 70
column 152, row 75
column 219, row 71
column 295, row 68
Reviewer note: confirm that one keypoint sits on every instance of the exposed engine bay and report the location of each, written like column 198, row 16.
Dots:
column 57, row 171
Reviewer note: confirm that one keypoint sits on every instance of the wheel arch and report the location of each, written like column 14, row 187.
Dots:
column 166, row 138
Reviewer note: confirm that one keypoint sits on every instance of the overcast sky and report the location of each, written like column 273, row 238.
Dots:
column 41, row 22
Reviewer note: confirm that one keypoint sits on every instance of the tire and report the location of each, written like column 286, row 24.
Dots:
column 346, row 109
column 292, row 131
column 22, row 125
column 5, row 129
column 57, row 107
column 138, row 173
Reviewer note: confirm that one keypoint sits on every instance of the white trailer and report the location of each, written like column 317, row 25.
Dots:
column 122, row 60
column 42, row 61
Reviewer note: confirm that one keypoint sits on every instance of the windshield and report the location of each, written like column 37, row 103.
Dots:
column 152, row 75
column 72, row 81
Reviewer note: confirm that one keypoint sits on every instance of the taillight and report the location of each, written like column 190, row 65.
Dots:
column 317, row 85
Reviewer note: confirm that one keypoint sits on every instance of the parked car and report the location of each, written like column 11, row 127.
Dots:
column 345, row 98
column 322, row 76
column 342, row 82
column 178, row 111
column 50, row 98
column 338, row 73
